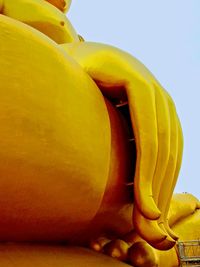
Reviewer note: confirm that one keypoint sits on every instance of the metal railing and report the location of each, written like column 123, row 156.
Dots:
column 189, row 253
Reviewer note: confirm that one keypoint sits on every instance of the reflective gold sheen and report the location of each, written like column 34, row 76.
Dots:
column 91, row 148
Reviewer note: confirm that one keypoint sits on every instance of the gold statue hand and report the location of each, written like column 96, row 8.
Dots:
column 153, row 126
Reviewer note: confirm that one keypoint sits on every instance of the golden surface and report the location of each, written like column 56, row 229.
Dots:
column 53, row 256
column 65, row 156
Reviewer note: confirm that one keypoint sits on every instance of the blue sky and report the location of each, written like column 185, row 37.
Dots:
column 165, row 36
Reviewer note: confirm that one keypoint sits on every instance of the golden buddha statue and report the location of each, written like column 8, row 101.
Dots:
column 90, row 153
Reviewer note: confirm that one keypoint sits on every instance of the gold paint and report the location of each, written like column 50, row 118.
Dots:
column 65, row 155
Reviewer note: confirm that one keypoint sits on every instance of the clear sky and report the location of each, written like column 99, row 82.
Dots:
column 165, row 36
